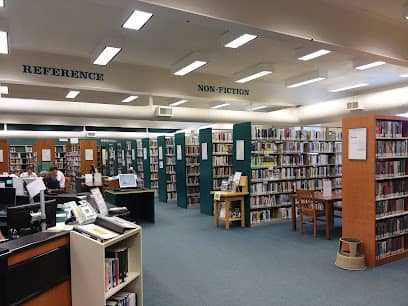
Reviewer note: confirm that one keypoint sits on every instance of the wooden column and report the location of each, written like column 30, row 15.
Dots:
column 87, row 144
column 4, row 166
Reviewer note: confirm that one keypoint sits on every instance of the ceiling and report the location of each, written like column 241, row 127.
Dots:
column 78, row 27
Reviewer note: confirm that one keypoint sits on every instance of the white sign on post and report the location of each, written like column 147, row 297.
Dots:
column 133, row 154
column 1, row 156
column 88, row 154
column 204, row 151
column 357, row 144
column 46, row 155
column 240, row 150
column 160, row 152
column 179, row 156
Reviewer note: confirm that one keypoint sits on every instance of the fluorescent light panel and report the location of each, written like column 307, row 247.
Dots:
column 178, row 103
column 254, row 76
column 189, row 68
column 242, row 40
column 404, row 75
column 313, row 55
column 4, row 90
column 72, row 94
column 221, row 105
column 1, row 3
column 106, row 55
column 3, row 42
column 370, row 65
column 314, row 80
column 137, row 20
column 349, row 87
column 129, row 99
column 257, row 108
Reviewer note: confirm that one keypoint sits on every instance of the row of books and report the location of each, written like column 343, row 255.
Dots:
column 170, row 161
column 170, row 151
column 193, row 180
column 296, row 133
column 171, row 196
column 193, row 170
column 171, row 178
column 170, row 169
column 193, row 200
column 391, row 168
column 222, row 148
column 391, row 227
column 169, row 141
column 295, row 173
column 171, row 187
column 287, row 186
column 222, row 171
column 391, row 188
column 154, row 176
column 123, row 299
column 154, row 167
column 265, row 147
column 192, row 150
column 222, row 160
column 221, row 136
column 264, row 161
column 191, row 160
column 389, row 129
column 390, row 207
column 270, row 201
column 116, row 267
column 259, row 217
column 192, row 140
column 389, row 247
column 386, row 148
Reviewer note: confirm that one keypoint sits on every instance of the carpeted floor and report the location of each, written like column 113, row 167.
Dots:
column 188, row 262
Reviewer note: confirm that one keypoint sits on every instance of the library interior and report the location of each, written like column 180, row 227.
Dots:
column 196, row 153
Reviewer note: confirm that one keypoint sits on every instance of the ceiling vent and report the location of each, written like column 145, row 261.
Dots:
column 353, row 106
column 91, row 134
column 164, row 111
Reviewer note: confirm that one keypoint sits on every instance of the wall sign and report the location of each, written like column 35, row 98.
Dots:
column 223, row 90
column 357, row 144
column 61, row 72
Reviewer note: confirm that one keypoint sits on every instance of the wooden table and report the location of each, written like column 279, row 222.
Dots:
column 228, row 197
column 327, row 201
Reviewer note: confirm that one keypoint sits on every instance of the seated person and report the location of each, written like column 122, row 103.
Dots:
column 52, row 183
column 59, row 175
column 28, row 173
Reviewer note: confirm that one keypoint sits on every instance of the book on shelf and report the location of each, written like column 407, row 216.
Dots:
column 389, row 129
column 123, row 299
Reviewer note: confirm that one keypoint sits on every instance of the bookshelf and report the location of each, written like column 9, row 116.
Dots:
column 139, row 162
column 217, row 166
column 170, row 165
column 130, row 155
column 120, row 158
column 375, row 197
column 73, row 160
column 111, row 163
column 21, row 157
column 146, row 162
column 60, row 152
column 88, row 268
column 154, row 164
column 193, row 170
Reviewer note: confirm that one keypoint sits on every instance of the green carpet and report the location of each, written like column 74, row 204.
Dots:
column 188, row 262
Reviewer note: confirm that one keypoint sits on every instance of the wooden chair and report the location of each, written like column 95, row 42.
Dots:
column 309, row 208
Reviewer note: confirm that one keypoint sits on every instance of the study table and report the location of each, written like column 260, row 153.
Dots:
column 327, row 201
column 139, row 202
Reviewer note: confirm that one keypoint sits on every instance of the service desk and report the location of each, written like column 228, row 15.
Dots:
column 35, row 270
column 140, row 203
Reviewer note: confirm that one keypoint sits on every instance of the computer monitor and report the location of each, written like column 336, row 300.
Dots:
column 6, row 181
column 7, row 196
column 127, row 181
column 19, row 218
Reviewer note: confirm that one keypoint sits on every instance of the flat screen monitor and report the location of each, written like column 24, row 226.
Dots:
column 7, row 196
column 18, row 217
column 127, row 181
column 6, row 181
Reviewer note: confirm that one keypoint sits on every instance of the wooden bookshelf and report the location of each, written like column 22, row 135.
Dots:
column 375, row 190
column 4, row 165
column 88, row 268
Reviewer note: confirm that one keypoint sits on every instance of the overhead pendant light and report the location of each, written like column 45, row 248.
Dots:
column 72, row 94
column 4, row 42
column 254, row 76
column 178, row 103
column 349, row 87
column 257, row 108
column 106, row 56
column 370, row 65
column 220, row 105
column 137, row 20
column 189, row 68
column 240, row 41
column 4, row 90
column 130, row 99
column 314, row 55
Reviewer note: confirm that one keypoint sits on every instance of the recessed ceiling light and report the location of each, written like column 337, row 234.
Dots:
column 129, row 99
column 242, row 40
column 106, row 55
column 3, row 43
column 253, row 77
column 257, row 108
column 4, row 90
column 404, row 75
column 314, row 80
column 189, row 68
column 178, row 103
column 313, row 55
column 370, row 65
column 349, row 87
column 137, row 20
column 1, row 3
column 72, row 94
column 220, row 106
